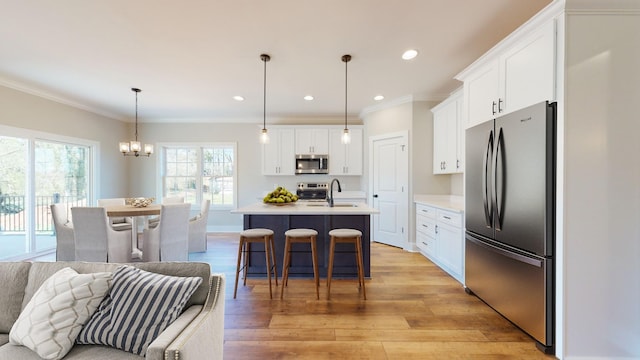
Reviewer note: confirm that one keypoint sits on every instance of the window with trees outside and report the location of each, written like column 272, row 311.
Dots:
column 200, row 172
column 37, row 170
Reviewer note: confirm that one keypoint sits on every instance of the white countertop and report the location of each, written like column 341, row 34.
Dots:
column 448, row 202
column 305, row 208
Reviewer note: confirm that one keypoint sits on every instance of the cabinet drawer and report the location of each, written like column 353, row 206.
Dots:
column 449, row 217
column 425, row 243
column 425, row 225
column 425, row 210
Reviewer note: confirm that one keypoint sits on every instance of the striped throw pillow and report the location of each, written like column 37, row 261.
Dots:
column 138, row 307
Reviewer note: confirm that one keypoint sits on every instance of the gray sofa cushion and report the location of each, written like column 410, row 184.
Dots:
column 138, row 307
column 13, row 277
column 40, row 271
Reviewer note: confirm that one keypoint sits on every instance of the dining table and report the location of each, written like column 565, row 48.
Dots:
column 135, row 213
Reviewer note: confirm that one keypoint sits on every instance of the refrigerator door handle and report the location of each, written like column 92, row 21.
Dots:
column 509, row 254
column 486, row 164
column 498, row 183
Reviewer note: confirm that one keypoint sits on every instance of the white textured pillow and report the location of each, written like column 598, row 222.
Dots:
column 139, row 306
column 53, row 318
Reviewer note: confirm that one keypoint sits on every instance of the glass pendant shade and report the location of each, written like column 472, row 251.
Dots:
column 264, row 137
column 346, row 137
column 124, row 147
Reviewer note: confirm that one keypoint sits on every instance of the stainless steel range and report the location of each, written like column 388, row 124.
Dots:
column 312, row 191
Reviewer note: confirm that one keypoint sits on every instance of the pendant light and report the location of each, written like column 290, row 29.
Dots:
column 133, row 148
column 264, row 136
column 346, row 137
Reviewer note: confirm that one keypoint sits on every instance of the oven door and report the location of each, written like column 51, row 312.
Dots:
column 312, row 194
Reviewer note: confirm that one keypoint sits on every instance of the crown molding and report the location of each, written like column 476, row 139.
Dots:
column 61, row 100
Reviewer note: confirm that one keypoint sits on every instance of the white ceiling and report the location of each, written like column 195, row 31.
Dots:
column 191, row 57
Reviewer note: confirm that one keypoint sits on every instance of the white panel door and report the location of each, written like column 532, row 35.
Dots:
column 389, row 188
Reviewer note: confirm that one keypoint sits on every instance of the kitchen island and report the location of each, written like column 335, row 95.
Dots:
column 311, row 215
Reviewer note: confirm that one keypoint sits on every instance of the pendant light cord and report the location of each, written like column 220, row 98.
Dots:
column 136, row 90
column 346, row 59
column 264, row 96
column 345, row 93
column 136, row 115
column 264, row 58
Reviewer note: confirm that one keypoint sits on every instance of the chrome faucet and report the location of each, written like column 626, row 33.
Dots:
column 330, row 199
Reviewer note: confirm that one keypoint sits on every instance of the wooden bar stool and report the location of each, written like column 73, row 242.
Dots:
column 257, row 235
column 351, row 236
column 300, row 236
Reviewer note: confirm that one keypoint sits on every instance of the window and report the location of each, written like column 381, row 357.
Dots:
column 37, row 170
column 200, row 172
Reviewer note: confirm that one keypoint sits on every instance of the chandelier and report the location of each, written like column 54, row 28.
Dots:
column 133, row 148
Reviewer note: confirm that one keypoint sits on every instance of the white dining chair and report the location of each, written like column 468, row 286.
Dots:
column 168, row 241
column 198, row 229
column 173, row 200
column 65, row 246
column 153, row 221
column 117, row 223
column 94, row 238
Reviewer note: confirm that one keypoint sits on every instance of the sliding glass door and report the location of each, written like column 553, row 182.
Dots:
column 60, row 177
column 13, row 188
column 35, row 173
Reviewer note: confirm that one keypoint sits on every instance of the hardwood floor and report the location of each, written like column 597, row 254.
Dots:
column 413, row 310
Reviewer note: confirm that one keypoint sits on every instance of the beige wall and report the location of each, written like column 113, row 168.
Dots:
column 251, row 183
column 415, row 117
column 598, row 142
column 128, row 176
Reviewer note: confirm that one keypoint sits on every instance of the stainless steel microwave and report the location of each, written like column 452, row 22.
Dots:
column 312, row 164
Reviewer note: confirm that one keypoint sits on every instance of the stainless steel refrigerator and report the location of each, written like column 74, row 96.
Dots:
column 510, row 214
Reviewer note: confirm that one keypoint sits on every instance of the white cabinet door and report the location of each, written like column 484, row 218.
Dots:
column 449, row 248
column 528, row 75
column 460, row 128
column 312, row 141
column 481, row 94
column 278, row 156
column 446, row 136
column 353, row 153
column 345, row 159
column 439, row 237
column 522, row 75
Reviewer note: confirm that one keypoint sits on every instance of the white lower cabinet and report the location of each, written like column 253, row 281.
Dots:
column 440, row 238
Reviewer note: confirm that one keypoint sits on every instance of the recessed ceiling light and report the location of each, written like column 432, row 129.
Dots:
column 378, row 97
column 308, row 97
column 238, row 98
column 410, row 54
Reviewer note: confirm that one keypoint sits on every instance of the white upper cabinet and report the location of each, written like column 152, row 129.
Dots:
column 448, row 136
column 312, row 141
column 278, row 156
column 529, row 70
column 345, row 159
column 481, row 94
column 512, row 78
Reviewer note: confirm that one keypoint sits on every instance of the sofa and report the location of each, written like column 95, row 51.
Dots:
column 196, row 333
